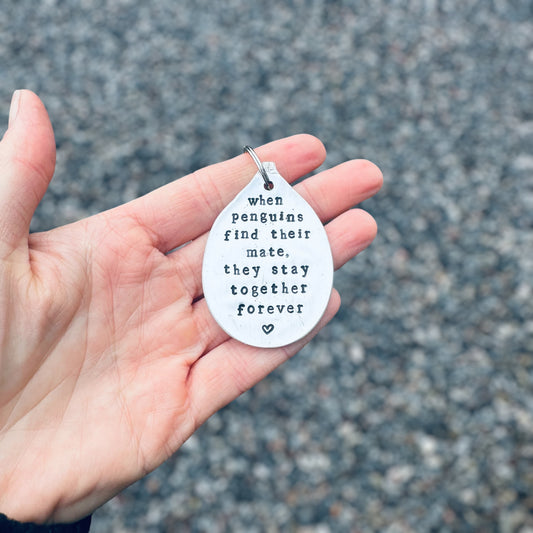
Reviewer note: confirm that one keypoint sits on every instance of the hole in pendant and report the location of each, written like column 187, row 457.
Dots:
column 269, row 186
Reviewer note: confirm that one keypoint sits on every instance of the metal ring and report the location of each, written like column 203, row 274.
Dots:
column 269, row 185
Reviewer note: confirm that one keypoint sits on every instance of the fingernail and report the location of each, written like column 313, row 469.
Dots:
column 13, row 109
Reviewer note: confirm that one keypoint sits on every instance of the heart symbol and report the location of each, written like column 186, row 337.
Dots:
column 268, row 328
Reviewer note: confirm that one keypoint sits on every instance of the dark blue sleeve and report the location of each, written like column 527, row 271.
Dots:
column 12, row 526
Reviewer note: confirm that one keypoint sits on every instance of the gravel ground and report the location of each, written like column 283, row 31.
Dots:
column 413, row 410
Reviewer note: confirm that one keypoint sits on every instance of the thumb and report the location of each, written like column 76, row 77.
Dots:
column 27, row 162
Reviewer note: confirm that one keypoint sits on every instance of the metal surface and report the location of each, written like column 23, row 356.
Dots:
column 268, row 271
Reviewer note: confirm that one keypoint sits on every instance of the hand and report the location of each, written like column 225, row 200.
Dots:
column 109, row 357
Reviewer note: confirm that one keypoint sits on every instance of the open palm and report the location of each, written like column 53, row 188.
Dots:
column 109, row 357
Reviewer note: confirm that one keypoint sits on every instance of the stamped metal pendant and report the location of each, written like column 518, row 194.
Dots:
column 268, row 271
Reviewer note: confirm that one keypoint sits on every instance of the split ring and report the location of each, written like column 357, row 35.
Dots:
column 269, row 185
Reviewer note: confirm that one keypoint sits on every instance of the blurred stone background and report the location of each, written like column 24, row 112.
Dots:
column 413, row 410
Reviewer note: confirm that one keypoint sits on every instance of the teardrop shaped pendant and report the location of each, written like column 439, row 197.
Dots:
column 267, row 271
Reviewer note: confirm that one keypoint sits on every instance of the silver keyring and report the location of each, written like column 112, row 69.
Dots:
column 269, row 185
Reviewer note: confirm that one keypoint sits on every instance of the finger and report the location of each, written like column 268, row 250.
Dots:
column 349, row 234
column 232, row 368
column 186, row 208
column 210, row 332
column 27, row 162
column 329, row 193
column 188, row 265
column 337, row 189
